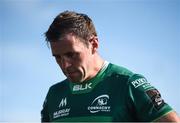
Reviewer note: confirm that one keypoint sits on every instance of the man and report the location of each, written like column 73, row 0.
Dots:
column 96, row 90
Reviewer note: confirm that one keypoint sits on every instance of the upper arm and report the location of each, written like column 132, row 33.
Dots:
column 170, row 117
column 146, row 99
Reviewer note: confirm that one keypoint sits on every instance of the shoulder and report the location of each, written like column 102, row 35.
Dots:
column 59, row 86
column 115, row 69
column 125, row 76
column 117, row 72
column 117, row 76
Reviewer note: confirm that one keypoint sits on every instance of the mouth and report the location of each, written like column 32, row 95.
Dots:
column 71, row 73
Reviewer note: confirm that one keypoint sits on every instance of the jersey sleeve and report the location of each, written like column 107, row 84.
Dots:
column 44, row 112
column 146, row 99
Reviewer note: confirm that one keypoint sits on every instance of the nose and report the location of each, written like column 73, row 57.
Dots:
column 65, row 63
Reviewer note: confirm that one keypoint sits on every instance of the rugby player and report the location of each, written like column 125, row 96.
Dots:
column 96, row 90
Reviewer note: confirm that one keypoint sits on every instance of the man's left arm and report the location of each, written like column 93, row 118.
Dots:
column 148, row 102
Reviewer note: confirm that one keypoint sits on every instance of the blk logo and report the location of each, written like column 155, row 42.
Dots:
column 82, row 87
column 63, row 102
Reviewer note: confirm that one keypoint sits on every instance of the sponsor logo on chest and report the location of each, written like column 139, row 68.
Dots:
column 100, row 104
column 63, row 109
column 63, row 103
column 82, row 87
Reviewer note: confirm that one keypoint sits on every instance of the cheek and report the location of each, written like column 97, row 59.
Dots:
column 86, row 62
column 83, row 60
column 80, row 63
column 80, row 59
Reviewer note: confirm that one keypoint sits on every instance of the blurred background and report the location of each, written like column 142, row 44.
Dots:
column 141, row 35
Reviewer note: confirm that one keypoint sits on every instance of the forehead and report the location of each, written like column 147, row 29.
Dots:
column 68, row 43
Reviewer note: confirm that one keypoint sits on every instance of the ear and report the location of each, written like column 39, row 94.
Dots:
column 94, row 44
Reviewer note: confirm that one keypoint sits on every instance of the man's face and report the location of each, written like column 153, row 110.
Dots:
column 73, row 57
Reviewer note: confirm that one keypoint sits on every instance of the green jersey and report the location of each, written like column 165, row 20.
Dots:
column 114, row 94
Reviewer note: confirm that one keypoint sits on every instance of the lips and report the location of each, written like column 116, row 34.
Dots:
column 71, row 73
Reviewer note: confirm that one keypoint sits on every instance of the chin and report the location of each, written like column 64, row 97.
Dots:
column 75, row 80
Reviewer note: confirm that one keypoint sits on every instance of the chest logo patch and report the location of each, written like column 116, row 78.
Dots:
column 100, row 104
